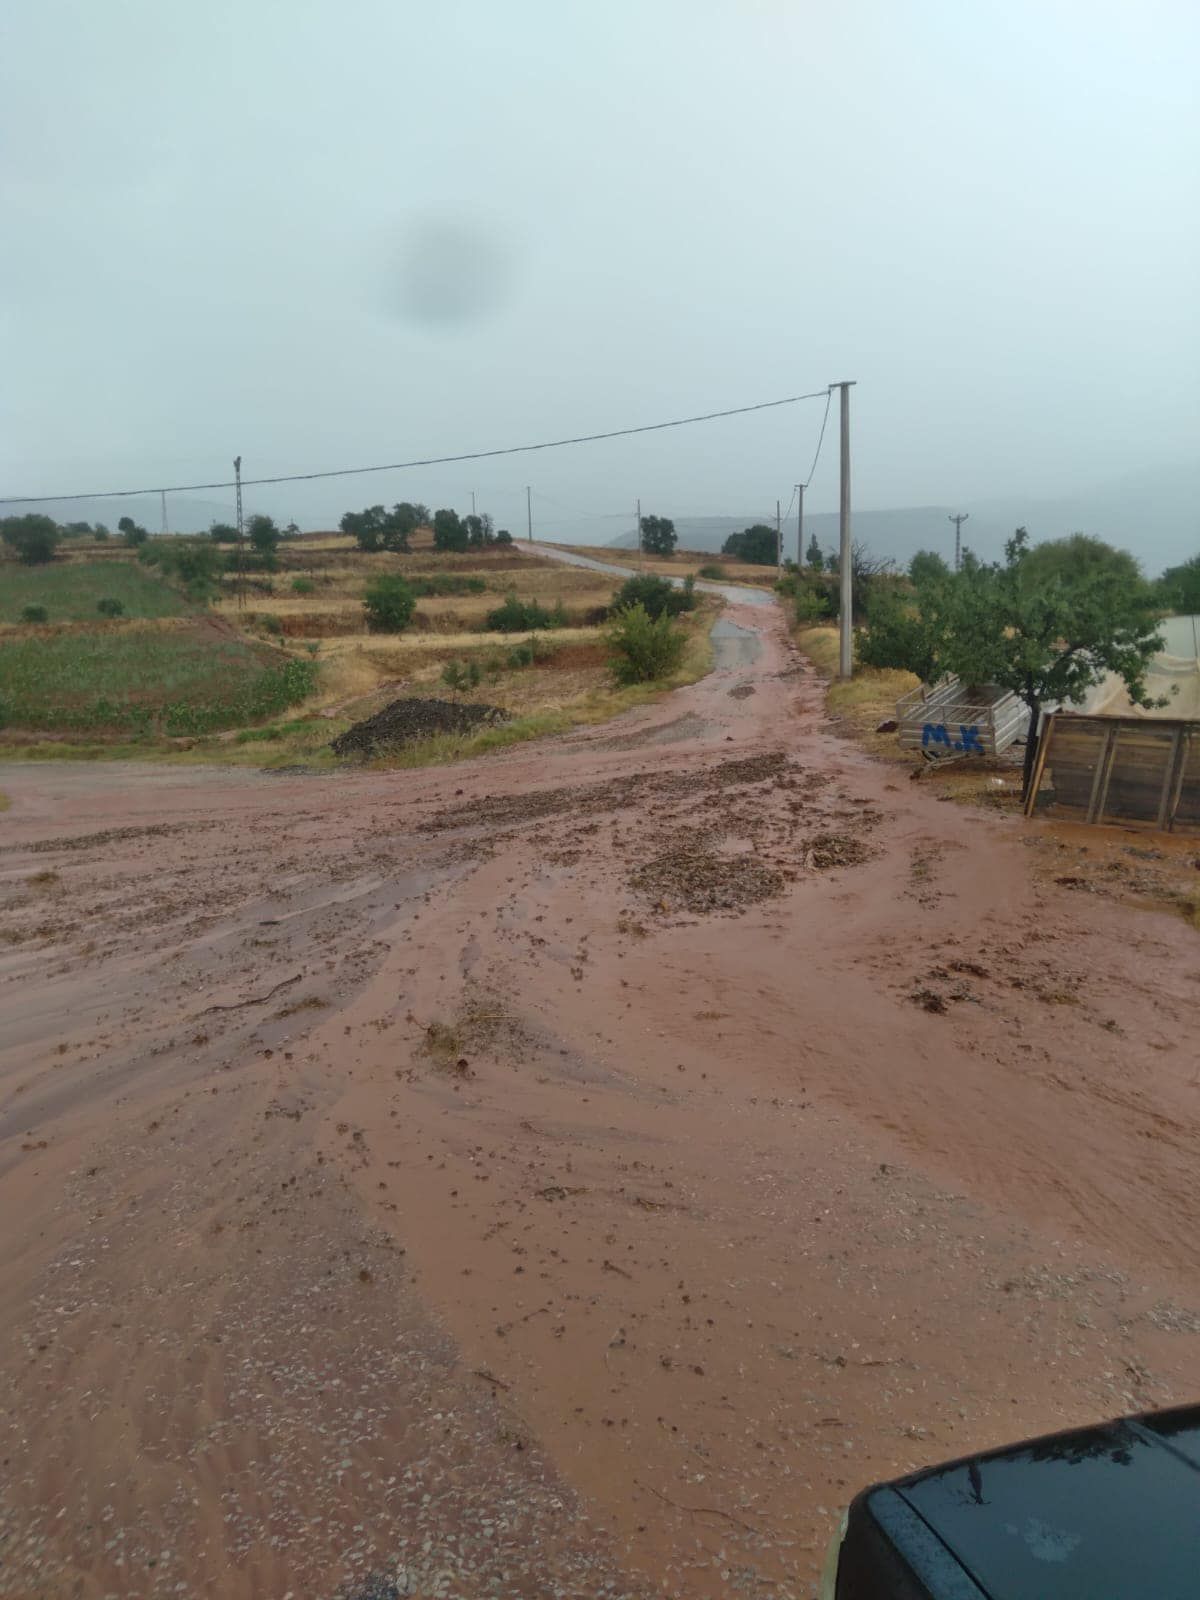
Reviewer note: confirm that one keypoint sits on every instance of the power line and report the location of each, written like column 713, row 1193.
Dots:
column 425, row 461
column 820, row 439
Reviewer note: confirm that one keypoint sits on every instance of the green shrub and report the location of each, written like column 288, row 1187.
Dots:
column 132, row 532
column 811, row 604
column 522, row 616
column 521, row 655
column 271, row 623
column 441, row 583
column 389, row 603
column 34, row 614
column 657, row 596
column 110, row 607
column 454, row 675
column 503, row 536
column 711, row 570
column 644, row 648
column 33, row 536
column 303, row 586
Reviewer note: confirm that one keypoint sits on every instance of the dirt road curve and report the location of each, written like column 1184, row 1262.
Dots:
column 571, row 1174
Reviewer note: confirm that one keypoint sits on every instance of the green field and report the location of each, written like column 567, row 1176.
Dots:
column 69, row 590
column 145, row 680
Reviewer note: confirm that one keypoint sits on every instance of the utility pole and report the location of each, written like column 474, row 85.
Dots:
column 163, row 497
column 958, row 521
column 529, row 511
column 237, row 473
column 846, row 557
column 639, row 525
column 799, row 524
column 778, row 539
column 472, row 502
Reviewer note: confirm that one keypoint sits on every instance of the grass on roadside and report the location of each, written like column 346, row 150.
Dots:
column 863, row 701
column 71, row 590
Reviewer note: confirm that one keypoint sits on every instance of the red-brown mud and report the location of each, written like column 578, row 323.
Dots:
column 573, row 1173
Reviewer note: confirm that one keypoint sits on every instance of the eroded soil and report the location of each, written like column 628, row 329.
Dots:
column 574, row 1173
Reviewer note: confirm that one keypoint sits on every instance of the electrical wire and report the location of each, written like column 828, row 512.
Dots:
column 820, row 437
column 425, row 461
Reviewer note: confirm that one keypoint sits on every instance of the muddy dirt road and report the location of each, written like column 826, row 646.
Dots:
column 570, row 1174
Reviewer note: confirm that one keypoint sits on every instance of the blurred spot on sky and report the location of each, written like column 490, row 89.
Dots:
column 449, row 271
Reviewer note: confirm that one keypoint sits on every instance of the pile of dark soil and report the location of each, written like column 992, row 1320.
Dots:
column 695, row 880
column 403, row 721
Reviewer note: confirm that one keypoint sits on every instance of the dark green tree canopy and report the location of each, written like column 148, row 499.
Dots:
column 376, row 528
column 658, row 536
column 264, row 535
column 34, row 537
column 449, row 531
column 758, row 544
column 814, row 555
column 927, row 566
column 1179, row 587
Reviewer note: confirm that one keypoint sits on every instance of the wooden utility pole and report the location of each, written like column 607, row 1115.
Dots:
column 799, row 524
column 846, row 557
column 529, row 511
column 237, row 473
column 958, row 521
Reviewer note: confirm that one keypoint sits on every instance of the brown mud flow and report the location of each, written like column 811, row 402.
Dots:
column 573, row 1173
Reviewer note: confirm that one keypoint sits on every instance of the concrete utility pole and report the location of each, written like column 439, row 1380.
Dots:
column 639, row 525
column 529, row 511
column 846, row 557
column 778, row 539
column 163, row 496
column 472, row 502
column 958, row 521
column 237, row 473
column 799, row 524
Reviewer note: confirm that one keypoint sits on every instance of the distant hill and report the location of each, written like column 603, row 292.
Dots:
column 184, row 514
column 1154, row 515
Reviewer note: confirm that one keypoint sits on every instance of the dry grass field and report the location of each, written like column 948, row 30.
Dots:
column 681, row 564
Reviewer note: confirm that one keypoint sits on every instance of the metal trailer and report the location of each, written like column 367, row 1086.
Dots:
column 954, row 719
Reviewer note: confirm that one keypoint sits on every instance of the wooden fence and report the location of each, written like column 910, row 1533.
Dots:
column 1120, row 769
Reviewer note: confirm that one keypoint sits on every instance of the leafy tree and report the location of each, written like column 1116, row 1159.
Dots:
column 504, row 537
column 389, row 603
column 34, row 613
column 657, row 596
column 110, row 607
column 192, row 563
column 903, row 635
column 449, row 531
column 644, row 648
column 133, row 533
column 78, row 530
column 1047, row 638
column 1076, row 559
column 223, row 533
column 813, row 555
column 1180, row 587
column 100, row 531
column 480, row 529
column 33, row 536
column 927, row 566
column 758, row 545
column 658, row 536
column 292, row 531
column 264, row 537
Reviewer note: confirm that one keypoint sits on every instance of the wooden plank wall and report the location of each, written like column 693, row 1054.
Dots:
column 1121, row 769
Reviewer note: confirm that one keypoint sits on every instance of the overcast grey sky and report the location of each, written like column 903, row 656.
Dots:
column 328, row 234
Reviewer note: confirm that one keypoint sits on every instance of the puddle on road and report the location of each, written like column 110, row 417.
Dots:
column 733, row 645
